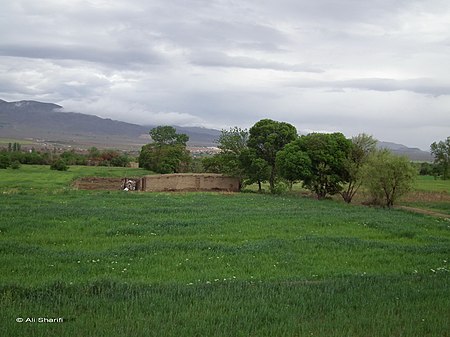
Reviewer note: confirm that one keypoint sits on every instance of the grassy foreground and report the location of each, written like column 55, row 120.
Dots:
column 209, row 264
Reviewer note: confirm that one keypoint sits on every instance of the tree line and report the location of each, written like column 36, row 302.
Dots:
column 14, row 156
column 270, row 151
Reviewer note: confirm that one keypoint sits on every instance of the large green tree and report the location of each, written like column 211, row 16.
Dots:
column 387, row 177
column 318, row 160
column 362, row 146
column 167, row 153
column 267, row 137
column 441, row 153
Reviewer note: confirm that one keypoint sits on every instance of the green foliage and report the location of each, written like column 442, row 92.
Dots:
column 212, row 164
column 167, row 135
column 293, row 163
column 231, row 143
column 59, row 165
column 317, row 159
column 73, row 158
column 256, row 169
column 164, row 158
column 5, row 160
column 15, row 165
column 233, row 140
column 362, row 147
column 441, row 153
column 266, row 138
column 93, row 153
column 387, row 177
column 167, row 153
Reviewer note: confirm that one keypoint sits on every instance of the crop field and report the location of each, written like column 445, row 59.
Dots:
column 212, row 264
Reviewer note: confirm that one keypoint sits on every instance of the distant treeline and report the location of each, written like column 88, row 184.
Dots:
column 13, row 155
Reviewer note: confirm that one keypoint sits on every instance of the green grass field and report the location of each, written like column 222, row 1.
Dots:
column 429, row 194
column 431, row 184
column 213, row 264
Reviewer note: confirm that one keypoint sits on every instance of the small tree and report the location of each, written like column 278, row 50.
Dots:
column 362, row 146
column 387, row 177
column 441, row 153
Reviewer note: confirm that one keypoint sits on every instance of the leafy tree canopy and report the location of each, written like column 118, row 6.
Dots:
column 167, row 135
column 267, row 137
column 317, row 159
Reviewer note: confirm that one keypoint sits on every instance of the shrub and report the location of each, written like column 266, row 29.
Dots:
column 387, row 177
column 15, row 165
column 59, row 165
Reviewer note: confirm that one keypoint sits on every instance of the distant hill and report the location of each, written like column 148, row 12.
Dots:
column 412, row 153
column 48, row 123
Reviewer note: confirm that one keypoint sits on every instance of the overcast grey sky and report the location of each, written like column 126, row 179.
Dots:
column 380, row 66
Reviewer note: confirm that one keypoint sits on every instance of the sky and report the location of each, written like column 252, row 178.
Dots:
column 381, row 67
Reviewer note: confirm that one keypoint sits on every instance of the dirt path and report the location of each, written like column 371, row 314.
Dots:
column 424, row 211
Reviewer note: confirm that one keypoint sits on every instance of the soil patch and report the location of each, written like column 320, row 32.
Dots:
column 424, row 211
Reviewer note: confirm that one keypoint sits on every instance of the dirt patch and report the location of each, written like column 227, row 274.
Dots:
column 424, row 211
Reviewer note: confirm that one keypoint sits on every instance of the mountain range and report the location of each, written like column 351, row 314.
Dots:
column 49, row 124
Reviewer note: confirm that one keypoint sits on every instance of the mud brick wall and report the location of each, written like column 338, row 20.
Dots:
column 189, row 182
